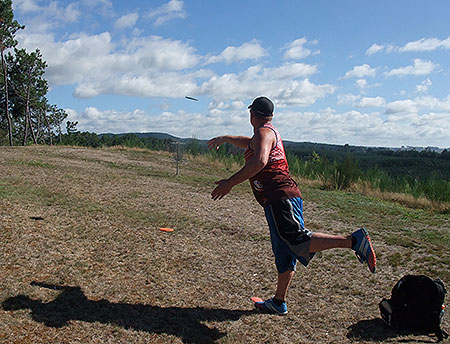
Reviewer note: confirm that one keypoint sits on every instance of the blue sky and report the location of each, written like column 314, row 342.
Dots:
column 370, row 73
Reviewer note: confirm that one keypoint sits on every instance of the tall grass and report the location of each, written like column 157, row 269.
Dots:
column 433, row 188
column 337, row 175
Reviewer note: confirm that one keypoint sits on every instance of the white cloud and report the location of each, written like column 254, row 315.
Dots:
column 247, row 51
column 361, row 102
column 155, row 52
column 174, row 9
column 126, row 21
column 366, row 102
column 421, row 45
column 99, row 7
column 375, row 48
column 219, row 106
column 348, row 98
column 53, row 10
column 156, row 67
column 419, row 67
column 50, row 16
column 296, row 50
column 361, row 83
column 73, row 60
column 110, row 121
column 276, row 83
column 25, row 6
column 351, row 127
column 180, row 123
column 419, row 105
column 290, row 71
column 434, row 104
column 366, row 129
column 424, row 86
column 69, row 14
column 426, row 44
column 169, row 84
column 302, row 93
column 360, row 72
column 402, row 106
column 95, row 61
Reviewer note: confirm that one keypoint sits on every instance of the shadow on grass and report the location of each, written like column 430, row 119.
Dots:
column 376, row 330
column 72, row 304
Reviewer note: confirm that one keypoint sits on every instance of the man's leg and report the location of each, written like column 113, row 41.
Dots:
column 358, row 241
column 320, row 242
column 284, row 281
column 277, row 304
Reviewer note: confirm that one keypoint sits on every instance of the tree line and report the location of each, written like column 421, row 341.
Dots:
column 88, row 139
column 26, row 116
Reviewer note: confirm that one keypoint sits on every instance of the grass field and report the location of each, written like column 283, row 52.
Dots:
column 82, row 259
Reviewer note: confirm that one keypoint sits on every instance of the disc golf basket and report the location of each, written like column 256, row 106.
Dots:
column 178, row 150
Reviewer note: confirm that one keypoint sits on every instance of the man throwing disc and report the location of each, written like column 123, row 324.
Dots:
column 267, row 170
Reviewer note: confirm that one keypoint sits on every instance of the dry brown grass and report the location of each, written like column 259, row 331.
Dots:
column 82, row 259
column 402, row 198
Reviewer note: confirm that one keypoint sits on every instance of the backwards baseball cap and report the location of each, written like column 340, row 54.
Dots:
column 263, row 106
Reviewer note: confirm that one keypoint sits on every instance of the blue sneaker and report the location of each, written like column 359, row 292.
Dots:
column 364, row 249
column 270, row 307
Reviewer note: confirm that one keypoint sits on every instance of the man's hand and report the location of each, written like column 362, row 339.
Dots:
column 223, row 187
column 215, row 142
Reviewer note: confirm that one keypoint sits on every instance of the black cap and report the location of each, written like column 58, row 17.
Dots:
column 263, row 106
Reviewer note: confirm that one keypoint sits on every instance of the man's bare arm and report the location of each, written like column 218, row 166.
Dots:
column 239, row 141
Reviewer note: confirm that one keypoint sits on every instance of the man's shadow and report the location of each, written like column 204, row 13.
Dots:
column 72, row 304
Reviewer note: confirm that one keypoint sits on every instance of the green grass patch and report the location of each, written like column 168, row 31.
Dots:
column 260, row 237
column 34, row 163
column 38, row 195
column 22, row 192
column 7, row 190
column 397, row 259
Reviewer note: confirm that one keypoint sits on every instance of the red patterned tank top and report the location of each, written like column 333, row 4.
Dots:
column 273, row 182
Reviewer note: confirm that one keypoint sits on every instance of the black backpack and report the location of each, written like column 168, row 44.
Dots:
column 416, row 305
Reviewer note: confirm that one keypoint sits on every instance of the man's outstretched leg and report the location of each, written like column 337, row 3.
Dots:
column 321, row 242
column 359, row 241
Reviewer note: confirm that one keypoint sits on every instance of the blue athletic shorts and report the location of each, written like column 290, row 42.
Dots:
column 290, row 239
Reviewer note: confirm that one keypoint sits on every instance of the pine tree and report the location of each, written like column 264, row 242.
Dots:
column 8, row 29
column 26, row 75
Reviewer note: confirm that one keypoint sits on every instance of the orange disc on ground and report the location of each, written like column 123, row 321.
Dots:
column 166, row 229
column 256, row 299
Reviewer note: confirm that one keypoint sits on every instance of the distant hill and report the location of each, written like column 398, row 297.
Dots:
column 159, row 136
